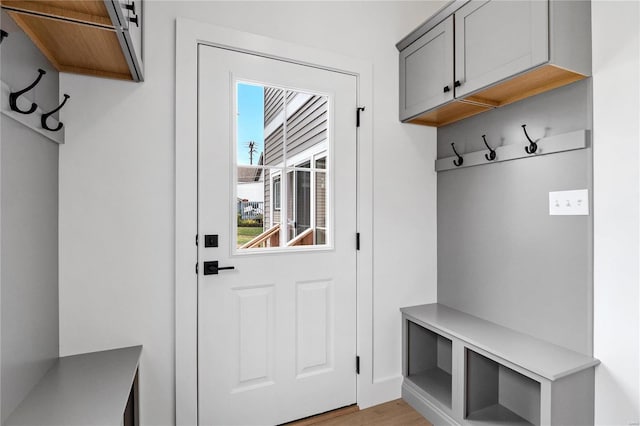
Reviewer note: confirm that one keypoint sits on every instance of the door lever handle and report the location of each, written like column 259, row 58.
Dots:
column 212, row 268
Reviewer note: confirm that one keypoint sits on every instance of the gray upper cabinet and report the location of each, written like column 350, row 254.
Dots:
column 504, row 51
column 426, row 69
column 496, row 39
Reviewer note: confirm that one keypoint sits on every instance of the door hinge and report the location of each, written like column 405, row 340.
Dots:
column 196, row 268
column 357, row 364
column 196, row 239
column 358, row 111
column 357, row 241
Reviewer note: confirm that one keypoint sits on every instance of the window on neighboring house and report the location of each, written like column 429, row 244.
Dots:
column 321, row 200
column 276, row 193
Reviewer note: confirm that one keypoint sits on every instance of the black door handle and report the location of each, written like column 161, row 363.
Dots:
column 446, row 89
column 457, row 83
column 212, row 268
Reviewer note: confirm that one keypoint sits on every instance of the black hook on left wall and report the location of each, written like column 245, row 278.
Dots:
column 3, row 35
column 460, row 160
column 43, row 118
column 13, row 96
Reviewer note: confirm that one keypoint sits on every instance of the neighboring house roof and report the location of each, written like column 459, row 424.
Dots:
column 250, row 174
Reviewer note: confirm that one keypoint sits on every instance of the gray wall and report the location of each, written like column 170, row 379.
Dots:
column 28, row 231
column 501, row 256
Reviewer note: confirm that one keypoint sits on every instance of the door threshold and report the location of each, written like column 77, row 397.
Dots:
column 327, row 415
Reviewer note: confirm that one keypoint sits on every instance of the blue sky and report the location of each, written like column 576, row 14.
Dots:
column 250, row 121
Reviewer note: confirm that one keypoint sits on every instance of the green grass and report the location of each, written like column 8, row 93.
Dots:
column 246, row 234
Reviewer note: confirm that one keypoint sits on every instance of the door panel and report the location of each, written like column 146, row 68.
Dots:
column 277, row 334
column 497, row 39
column 314, row 327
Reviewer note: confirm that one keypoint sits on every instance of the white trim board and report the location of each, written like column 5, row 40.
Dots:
column 550, row 145
column 189, row 34
column 32, row 120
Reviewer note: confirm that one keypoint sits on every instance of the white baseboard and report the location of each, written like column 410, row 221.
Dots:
column 423, row 406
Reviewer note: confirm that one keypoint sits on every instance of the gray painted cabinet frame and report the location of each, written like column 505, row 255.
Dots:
column 505, row 51
column 426, row 71
column 495, row 39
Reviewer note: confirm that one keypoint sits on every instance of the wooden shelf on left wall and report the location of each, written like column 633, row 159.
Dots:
column 76, row 36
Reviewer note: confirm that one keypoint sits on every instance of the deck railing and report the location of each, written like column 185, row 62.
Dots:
column 269, row 238
column 305, row 238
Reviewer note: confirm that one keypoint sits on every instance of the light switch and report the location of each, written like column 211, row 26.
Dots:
column 569, row 203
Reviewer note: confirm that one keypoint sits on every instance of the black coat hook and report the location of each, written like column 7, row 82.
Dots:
column 533, row 147
column 492, row 153
column 457, row 163
column 13, row 96
column 3, row 35
column 43, row 118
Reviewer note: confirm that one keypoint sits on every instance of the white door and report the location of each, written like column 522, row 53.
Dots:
column 277, row 185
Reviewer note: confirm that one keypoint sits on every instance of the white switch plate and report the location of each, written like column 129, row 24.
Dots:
column 569, row 203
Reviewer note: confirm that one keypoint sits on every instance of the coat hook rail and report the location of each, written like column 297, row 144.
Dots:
column 30, row 121
column 3, row 35
column 557, row 143
column 533, row 146
column 460, row 160
column 492, row 153
column 43, row 118
column 13, row 96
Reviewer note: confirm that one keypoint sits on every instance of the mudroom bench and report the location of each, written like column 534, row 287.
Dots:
column 461, row 369
column 99, row 388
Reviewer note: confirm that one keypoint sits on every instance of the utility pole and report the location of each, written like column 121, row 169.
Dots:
column 252, row 150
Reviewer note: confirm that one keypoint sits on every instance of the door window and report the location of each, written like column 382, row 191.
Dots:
column 282, row 148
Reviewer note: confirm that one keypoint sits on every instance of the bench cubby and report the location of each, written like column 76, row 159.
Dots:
column 462, row 370
column 495, row 393
column 429, row 362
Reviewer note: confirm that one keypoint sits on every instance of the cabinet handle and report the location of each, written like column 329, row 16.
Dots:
column 457, row 83
column 131, row 6
column 134, row 19
column 446, row 89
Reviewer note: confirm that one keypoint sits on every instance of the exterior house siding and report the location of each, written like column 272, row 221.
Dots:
column 306, row 127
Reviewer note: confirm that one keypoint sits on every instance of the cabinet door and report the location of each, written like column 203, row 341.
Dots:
column 496, row 39
column 426, row 71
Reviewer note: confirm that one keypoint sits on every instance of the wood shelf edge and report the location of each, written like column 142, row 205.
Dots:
column 95, row 73
column 529, row 83
column 52, row 12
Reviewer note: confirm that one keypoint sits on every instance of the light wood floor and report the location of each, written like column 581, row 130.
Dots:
column 392, row 413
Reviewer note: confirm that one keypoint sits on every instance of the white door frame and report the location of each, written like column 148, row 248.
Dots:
column 189, row 34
